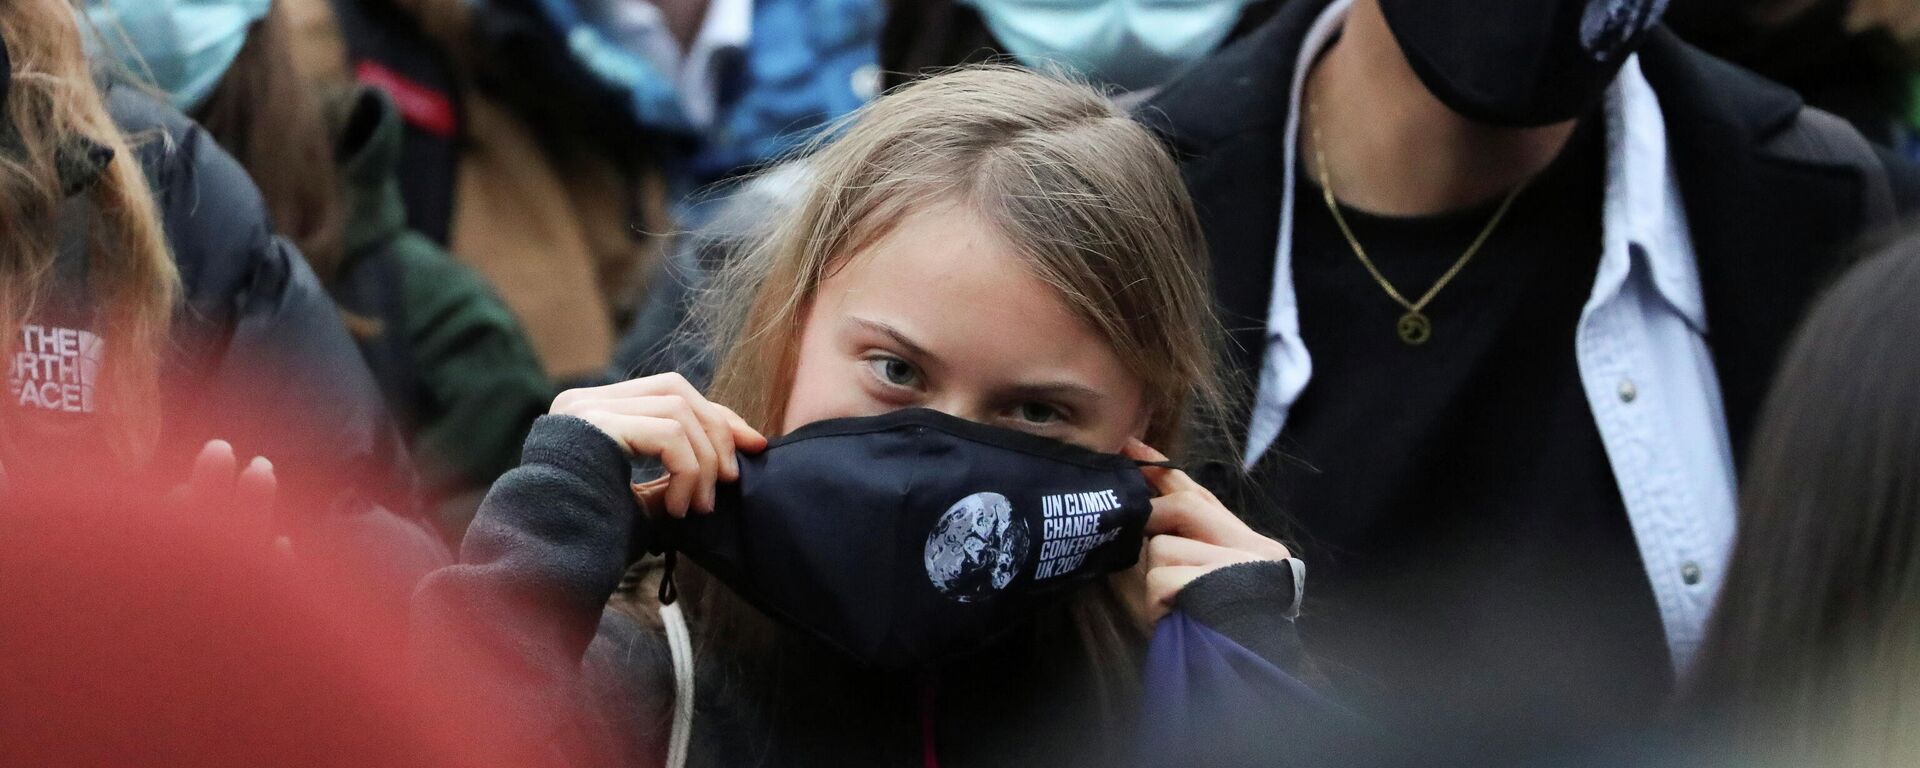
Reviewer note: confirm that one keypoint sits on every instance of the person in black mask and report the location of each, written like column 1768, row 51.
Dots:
column 989, row 303
column 1509, row 279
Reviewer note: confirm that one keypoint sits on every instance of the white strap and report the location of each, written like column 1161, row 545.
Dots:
column 1299, row 568
column 680, row 646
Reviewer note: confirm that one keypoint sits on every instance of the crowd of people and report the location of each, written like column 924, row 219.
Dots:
column 960, row 382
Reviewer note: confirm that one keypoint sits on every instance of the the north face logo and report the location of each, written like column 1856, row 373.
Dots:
column 55, row 369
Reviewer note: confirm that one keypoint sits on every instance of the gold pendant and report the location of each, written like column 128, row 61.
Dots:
column 1415, row 328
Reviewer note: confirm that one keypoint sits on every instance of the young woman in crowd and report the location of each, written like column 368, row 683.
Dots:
column 1127, row 50
column 1814, row 653
column 451, row 360
column 991, row 244
column 150, row 311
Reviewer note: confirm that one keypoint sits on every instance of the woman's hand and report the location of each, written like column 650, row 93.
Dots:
column 1189, row 535
column 218, row 485
column 663, row 417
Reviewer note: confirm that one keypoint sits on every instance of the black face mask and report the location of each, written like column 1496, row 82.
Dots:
column 1519, row 62
column 907, row 539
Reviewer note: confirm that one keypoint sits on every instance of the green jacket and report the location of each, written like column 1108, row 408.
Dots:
column 455, row 367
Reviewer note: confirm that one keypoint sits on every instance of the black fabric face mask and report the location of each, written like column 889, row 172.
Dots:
column 908, row 539
column 1520, row 62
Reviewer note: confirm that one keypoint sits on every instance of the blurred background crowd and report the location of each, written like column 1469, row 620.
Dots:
column 402, row 227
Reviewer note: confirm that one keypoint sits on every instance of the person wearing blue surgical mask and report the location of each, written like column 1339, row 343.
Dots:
column 1132, row 45
column 739, row 81
column 184, row 46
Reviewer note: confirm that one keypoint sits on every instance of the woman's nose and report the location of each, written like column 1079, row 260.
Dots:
column 969, row 408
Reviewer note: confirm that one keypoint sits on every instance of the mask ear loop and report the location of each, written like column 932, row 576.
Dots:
column 680, row 647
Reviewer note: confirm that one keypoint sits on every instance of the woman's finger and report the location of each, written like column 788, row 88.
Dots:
column 1168, row 550
column 714, row 419
column 210, row 481
column 1164, row 481
column 652, row 495
column 745, row 437
column 720, row 427
column 678, row 409
column 255, row 491
column 1164, row 583
column 1198, row 516
column 1188, row 509
column 645, row 386
column 705, row 453
column 663, row 438
column 570, row 401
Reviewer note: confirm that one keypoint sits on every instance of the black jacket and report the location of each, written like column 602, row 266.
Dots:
column 1772, row 193
column 260, row 356
column 551, row 544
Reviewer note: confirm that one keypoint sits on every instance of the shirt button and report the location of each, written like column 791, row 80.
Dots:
column 1628, row 391
column 1690, row 573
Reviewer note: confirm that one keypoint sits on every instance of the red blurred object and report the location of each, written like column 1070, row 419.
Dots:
column 421, row 105
column 167, row 640
column 138, row 635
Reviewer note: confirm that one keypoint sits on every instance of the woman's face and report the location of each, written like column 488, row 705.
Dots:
column 941, row 314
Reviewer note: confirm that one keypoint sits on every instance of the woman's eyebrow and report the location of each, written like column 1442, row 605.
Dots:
column 919, row 353
column 1054, row 390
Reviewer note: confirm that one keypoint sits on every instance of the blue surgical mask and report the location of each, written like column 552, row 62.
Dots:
column 626, row 44
column 186, row 46
column 1133, row 44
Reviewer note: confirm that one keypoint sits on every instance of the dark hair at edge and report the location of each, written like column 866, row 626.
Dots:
column 1814, row 651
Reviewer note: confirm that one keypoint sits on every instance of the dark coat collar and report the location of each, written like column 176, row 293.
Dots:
column 1764, row 224
column 1224, row 119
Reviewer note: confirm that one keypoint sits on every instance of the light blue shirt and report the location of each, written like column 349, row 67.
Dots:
column 1641, row 348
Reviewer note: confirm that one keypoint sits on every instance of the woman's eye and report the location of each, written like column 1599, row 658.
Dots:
column 895, row 371
column 1038, row 413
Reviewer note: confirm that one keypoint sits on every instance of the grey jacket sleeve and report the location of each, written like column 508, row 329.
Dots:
column 518, row 623
column 1254, row 605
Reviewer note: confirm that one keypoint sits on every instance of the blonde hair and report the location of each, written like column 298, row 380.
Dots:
column 1090, row 201
column 56, row 110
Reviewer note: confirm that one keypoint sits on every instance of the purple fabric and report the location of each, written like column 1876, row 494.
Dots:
column 1208, row 701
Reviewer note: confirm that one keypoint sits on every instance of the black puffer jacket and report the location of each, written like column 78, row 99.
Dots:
column 262, row 357
column 257, row 355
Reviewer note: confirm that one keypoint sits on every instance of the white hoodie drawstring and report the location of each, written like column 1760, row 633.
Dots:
column 680, row 647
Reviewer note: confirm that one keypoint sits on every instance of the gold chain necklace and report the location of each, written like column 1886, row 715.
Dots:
column 1414, row 326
